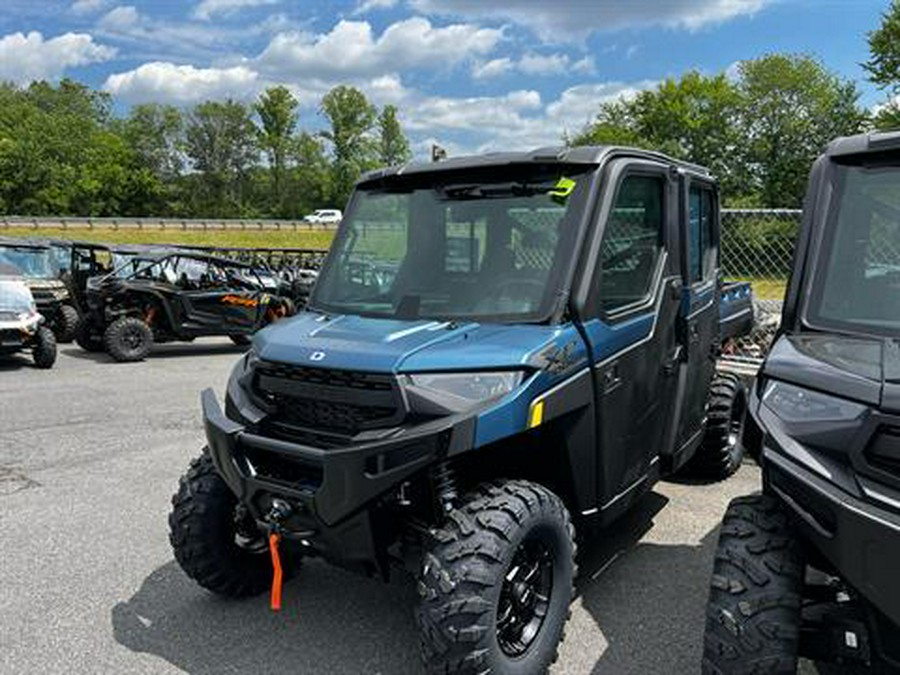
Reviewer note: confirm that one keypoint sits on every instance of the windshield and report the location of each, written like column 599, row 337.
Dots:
column 857, row 288
column 34, row 263
column 15, row 297
column 470, row 249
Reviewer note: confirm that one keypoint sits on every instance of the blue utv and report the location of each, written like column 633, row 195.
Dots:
column 498, row 349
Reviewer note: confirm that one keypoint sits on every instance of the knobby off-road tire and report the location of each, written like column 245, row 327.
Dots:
column 505, row 538
column 754, row 610
column 128, row 339
column 721, row 451
column 67, row 322
column 215, row 548
column 44, row 350
column 87, row 339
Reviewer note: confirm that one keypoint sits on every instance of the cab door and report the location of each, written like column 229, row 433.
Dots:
column 634, row 299
column 699, row 312
column 213, row 302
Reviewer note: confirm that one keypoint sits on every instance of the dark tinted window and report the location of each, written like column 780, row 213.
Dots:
column 701, row 247
column 632, row 243
column 857, row 285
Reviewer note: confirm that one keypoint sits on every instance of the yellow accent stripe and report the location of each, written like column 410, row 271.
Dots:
column 537, row 414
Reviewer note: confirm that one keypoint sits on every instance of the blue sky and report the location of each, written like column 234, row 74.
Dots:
column 470, row 74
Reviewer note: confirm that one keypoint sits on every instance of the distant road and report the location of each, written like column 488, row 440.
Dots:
column 162, row 224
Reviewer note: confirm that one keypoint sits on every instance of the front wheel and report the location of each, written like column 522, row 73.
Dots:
column 128, row 339
column 217, row 543
column 44, row 350
column 497, row 582
column 753, row 616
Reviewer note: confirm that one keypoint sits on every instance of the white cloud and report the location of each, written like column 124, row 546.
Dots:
column 373, row 5
column 564, row 20
column 536, row 65
column 352, row 50
column 119, row 19
column 209, row 8
column 182, row 84
column 24, row 58
column 88, row 6
column 492, row 68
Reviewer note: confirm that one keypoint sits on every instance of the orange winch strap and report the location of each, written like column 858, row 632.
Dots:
column 274, row 539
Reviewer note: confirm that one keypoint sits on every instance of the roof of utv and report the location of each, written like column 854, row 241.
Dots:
column 862, row 144
column 586, row 155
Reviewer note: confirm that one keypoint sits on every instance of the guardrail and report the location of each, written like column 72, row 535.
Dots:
column 158, row 224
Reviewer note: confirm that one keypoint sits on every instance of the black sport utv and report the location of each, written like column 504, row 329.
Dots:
column 811, row 567
column 175, row 296
column 37, row 263
column 497, row 348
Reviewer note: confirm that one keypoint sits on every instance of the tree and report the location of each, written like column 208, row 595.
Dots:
column 156, row 134
column 793, row 107
column 692, row 118
column 351, row 118
column 884, row 45
column 393, row 145
column 277, row 110
column 221, row 142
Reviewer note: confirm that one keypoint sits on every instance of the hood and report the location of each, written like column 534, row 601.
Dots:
column 385, row 345
column 863, row 369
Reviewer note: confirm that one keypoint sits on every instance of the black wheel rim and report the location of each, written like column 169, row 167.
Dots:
column 524, row 597
column 736, row 424
column 133, row 338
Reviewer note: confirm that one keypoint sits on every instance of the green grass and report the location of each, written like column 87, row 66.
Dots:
column 765, row 289
column 224, row 238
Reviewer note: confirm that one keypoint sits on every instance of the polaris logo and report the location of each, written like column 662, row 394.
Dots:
column 317, row 356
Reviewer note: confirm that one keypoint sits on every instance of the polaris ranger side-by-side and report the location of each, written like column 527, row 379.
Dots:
column 811, row 567
column 496, row 348
column 36, row 262
column 21, row 326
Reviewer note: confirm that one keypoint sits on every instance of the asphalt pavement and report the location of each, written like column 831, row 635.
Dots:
column 90, row 454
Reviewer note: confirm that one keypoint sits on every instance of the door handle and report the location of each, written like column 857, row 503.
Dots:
column 671, row 365
column 611, row 378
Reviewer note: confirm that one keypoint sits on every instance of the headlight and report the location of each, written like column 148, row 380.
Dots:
column 447, row 393
column 795, row 404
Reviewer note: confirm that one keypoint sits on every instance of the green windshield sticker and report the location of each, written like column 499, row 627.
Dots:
column 563, row 190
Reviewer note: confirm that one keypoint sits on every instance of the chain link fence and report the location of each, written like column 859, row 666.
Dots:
column 758, row 246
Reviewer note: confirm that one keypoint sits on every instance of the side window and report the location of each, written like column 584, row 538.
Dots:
column 701, row 247
column 632, row 244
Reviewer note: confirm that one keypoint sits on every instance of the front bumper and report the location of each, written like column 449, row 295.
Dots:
column 835, row 511
column 329, row 490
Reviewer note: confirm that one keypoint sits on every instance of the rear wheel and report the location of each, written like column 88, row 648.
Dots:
column 754, row 610
column 88, row 339
column 497, row 583
column 721, row 451
column 44, row 350
column 66, row 324
column 216, row 543
column 128, row 339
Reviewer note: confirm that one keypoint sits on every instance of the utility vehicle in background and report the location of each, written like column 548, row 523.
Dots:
column 811, row 567
column 497, row 349
column 36, row 262
column 174, row 296
column 21, row 326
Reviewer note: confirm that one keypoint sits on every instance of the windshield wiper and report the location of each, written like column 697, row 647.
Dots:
column 494, row 190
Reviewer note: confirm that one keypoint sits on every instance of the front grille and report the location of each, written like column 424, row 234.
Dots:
column 338, row 403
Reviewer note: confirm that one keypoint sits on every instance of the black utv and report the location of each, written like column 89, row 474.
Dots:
column 498, row 350
column 37, row 263
column 811, row 567
column 174, row 296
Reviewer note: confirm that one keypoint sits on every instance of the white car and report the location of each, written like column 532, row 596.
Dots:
column 324, row 217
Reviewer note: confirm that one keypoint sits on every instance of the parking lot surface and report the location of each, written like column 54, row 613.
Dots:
column 90, row 453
